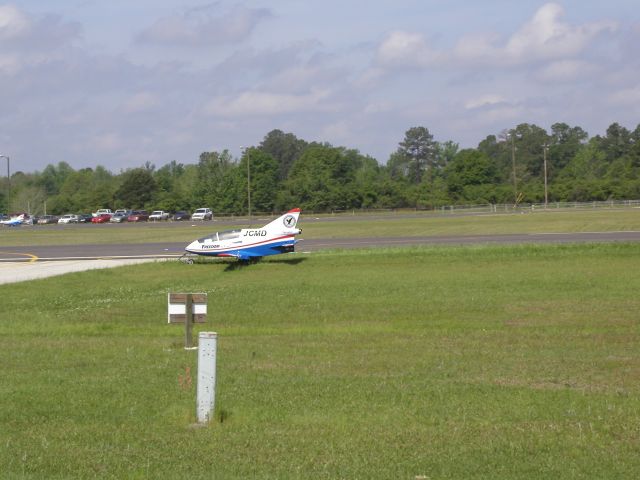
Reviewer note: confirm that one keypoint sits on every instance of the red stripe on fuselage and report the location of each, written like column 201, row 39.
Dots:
column 242, row 247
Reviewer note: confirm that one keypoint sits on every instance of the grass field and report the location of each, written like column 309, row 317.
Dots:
column 442, row 362
column 344, row 226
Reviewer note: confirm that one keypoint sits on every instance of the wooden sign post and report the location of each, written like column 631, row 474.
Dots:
column 187, row 308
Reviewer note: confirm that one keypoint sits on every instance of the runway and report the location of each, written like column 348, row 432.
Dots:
column 33, row 262
column 148, row 251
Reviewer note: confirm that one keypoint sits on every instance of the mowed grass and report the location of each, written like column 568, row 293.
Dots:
column 441, row 362
column 339, row 226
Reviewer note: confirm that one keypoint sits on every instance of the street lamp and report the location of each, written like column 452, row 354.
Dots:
column 8, row 180
column 545, row 149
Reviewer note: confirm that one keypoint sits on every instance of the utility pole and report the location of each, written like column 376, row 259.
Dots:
column 247, row 151
column 513, row 162
column 249, row 182
column 545, row 148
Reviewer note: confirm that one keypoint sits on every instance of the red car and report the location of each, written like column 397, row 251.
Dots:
column 138, row 216
column 102, row 218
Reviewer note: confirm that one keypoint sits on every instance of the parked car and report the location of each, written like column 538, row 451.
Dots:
column 202, row 214
column 181, row 215
column 69, row 218
column 158, row 215
column 138, row 216
column 119, row 217
column 101, row 211
column 102, row 218
column 46, row 219
column 84, row 217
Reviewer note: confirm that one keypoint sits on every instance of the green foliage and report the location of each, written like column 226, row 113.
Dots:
column 471, row 176
column 422, row 173
column 263, row 169
column 419, row 152
column 137, row 190
column 285, row 148
column 565, row 143
column 321, row 179
column 216, row 186
column 168, row 195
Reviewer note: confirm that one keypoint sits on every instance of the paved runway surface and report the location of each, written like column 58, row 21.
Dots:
column 43, row 261
column 169, row 250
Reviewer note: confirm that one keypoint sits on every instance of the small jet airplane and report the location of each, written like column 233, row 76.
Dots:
column 13, row 221
column 246, row 244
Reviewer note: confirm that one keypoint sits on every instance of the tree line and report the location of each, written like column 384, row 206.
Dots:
column 284, row 171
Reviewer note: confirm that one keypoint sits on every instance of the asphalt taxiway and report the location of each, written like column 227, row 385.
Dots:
column 31, row 262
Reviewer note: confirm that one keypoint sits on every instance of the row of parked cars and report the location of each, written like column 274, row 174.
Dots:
column 119, row 216
column 125, row 215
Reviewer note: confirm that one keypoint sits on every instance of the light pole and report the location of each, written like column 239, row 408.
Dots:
column 545, row 149
column 8, row 181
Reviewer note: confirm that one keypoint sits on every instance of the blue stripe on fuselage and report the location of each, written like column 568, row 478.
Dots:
column 253, row 251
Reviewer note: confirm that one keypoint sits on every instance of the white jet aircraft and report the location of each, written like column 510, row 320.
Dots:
column 251, row 243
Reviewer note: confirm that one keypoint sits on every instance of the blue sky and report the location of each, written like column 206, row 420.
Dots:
column 121, row 83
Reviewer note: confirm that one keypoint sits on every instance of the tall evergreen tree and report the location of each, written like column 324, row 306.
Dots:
column 419, row 150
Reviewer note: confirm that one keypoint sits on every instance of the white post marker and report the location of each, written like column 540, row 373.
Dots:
column 206, row 397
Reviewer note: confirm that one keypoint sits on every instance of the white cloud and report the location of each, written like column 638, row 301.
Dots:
column 300, row 78
column 268, row 103
column 205, row 27
column 484, row 101
column 405, row 49
column 475, row 48
column 13, row 23
column 566, row 71
column 28, row 40
column 545, row 36
column 91, row 102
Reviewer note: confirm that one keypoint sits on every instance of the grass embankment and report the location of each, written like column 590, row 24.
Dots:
column 483, row 362
column 343, row 226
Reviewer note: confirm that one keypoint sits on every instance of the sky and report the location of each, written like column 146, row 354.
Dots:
column 122, row 83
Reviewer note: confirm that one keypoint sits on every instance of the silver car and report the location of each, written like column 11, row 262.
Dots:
column 69, row 218
column 119, row 217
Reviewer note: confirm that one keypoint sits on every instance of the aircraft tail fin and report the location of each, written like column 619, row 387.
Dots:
column 285, row 224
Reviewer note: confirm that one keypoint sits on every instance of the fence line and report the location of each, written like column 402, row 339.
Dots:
column 460, row 209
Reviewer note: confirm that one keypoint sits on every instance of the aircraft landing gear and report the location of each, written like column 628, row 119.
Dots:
column 187, row 259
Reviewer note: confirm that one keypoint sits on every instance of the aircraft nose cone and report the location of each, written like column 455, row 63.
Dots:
column 192, row 247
